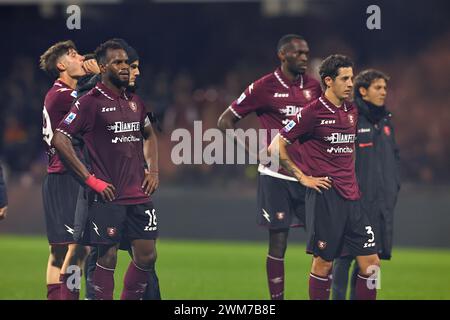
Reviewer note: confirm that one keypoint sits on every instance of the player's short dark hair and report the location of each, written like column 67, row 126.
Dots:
column 365, row 78
column 287, row 38
column 50, row 57
column 131, row 52
column 102, row 49
column 330, row 66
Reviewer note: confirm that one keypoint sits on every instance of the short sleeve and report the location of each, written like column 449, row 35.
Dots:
column 301, row 124
column 79, row 120
column 249, row 101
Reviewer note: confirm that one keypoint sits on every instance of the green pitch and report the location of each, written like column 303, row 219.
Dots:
column 226, row 270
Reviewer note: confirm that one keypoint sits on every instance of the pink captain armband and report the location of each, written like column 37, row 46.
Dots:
column 96, row 184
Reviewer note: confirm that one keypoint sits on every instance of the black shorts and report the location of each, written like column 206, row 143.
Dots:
column 281, row 203
column 332, row 222
column 111, row 224
column 59, row 193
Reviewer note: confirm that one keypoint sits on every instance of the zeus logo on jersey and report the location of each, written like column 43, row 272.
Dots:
column 125, row 139
column 280, row 95
column 105, row 109
column 120, row 127
column 327, row 121
column 70, row 118
column 338, row 137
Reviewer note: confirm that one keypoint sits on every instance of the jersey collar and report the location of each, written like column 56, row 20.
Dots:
column 285, row 82
column 332, row 107
column 60, row 83
column 108, row 93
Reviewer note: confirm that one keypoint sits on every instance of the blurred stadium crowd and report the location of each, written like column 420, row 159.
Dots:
column 418, row 98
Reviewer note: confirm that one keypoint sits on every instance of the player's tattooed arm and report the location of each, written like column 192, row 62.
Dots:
column 151, row 178
column 278, row 146
column 291, row 168
column 227, row 123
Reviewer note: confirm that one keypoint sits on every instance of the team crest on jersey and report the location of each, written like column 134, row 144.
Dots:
column 111, row 232
column 321, row 244
column 133, row 106
column 280, row 215
column 307, row 94
column 351, row 119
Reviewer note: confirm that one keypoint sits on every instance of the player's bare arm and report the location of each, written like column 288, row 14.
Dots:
column 64, row 147
column 151, row 178
column 278, row 145
column 228, row 120
column 3, row 212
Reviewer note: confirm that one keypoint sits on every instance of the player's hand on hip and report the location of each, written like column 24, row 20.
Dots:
column 316, row 183
column 105, row 189
column 108, row 193
column 3, row 212
column 151, row 182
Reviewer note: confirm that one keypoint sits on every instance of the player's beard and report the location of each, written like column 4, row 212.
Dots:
column 115, row 80
column 296, row 71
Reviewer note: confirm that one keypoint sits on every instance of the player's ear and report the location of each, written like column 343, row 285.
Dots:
column 362, row 91
column 102, row 67
column 281, row 55
column 60, row 66
column 328, row 81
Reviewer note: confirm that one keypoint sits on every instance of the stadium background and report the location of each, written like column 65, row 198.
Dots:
column 196, row 57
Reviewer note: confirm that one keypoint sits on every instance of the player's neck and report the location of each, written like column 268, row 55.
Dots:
column 112, row 86
column 68, row 80
column 289, row 75
column 329, row 94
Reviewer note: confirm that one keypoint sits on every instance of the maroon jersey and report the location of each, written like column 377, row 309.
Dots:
column 275, row 99
column 328, row 134
column 111, row 126
column 57, row 103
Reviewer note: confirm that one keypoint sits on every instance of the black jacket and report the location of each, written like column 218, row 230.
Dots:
column 378, row 172
column 3, row 196
column 86, row 83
